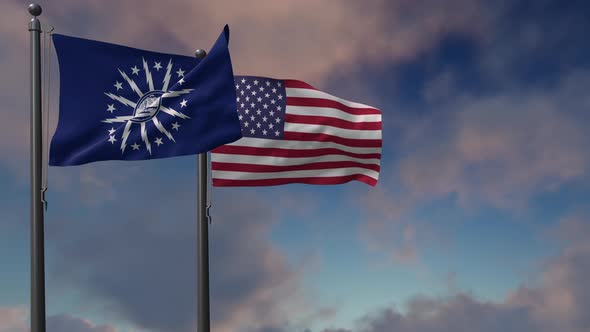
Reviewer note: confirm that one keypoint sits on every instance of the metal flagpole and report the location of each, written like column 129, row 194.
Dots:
column 203, row 316
column 37, row 236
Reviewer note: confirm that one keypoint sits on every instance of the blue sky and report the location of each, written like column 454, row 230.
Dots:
column 477, row 223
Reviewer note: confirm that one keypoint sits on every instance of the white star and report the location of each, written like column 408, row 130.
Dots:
column 274, row 90
column 261, row 89
column 243, row 81
column 278, row 120
column 183, row 103
column 267, row 95
column 252, row 105
column 158, row 66
column 258, row 112
column 248, row 99
column 242, row 92
column 254, row 93
column 279, row 83
column 158, row 141
column 135, row 146
column 118, row 85
column 280, row 97
column 242, row 105
column 259, row 99
column 246, row 124
column 248, row 87
column 247, row 111
column 175, row 126
column 276, row 133
column 264, row 118
column 181, row 81
column 273, row 101
column 237, row 86
column 240, row 117
column 272, row 113
column 271, row 126
column 258, row 125
column 135, row 70
column 279, row 108
column 264, row 132
column 112, row 131
column 252, row 131
column 180, row 72
column 111, row 108
column 265, row 106
column 238, row 99
column 112, row 139
column 267, row 83
column 252, row 118
column 255, row 82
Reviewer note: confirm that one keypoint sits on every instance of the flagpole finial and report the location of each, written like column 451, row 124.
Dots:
column 200, row 54
column 35, row 9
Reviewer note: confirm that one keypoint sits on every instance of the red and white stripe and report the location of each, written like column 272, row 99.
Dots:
column 327, row 140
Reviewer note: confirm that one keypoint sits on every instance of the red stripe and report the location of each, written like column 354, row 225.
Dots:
column 297, row 84
column 333, row 122
column 319, row 102
column 275, row 182
column 290, row 153
column 253, row 168
column 364, row 143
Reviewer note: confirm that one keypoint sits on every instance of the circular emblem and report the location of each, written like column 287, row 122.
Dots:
column 147, row 107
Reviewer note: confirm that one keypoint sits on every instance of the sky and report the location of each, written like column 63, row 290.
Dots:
column 478, row 223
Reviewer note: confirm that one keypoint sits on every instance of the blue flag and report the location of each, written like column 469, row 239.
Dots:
column 122, row 103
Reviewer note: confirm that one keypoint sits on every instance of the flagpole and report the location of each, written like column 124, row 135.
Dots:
column 203, row 316
column 37, row 236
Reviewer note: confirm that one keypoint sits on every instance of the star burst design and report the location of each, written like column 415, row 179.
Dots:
column 147, row 107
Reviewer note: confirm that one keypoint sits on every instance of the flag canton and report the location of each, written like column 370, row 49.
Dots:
column 261, row 104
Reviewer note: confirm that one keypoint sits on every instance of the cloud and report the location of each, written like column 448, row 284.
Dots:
column 13, row 319
column 69, row 323
column 136, row 257
column 16, row 319
column 557, row 299
column 500, row 150
column 391, row 230
column 497, row 151
column 564, row 298
column 458, row 313
column 289, row 38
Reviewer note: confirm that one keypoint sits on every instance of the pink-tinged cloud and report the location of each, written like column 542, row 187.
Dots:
column 557, row 299
column 390, row 230
column 306, row 39
column 13, row 319
column 500, row 150
column 16, row 319
column 152, row 284
column 69, row 323
column 564, row 299
column 496, row 151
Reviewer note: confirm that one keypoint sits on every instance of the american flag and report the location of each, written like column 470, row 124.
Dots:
column 294, row 133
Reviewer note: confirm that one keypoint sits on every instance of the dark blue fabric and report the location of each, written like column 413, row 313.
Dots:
column 100, row 109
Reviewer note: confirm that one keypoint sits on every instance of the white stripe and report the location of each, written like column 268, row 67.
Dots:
column 308, row 93
column 333, row 113
column 314, row 173
column 298, row 145
column 282, row 161
column 334, row 131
